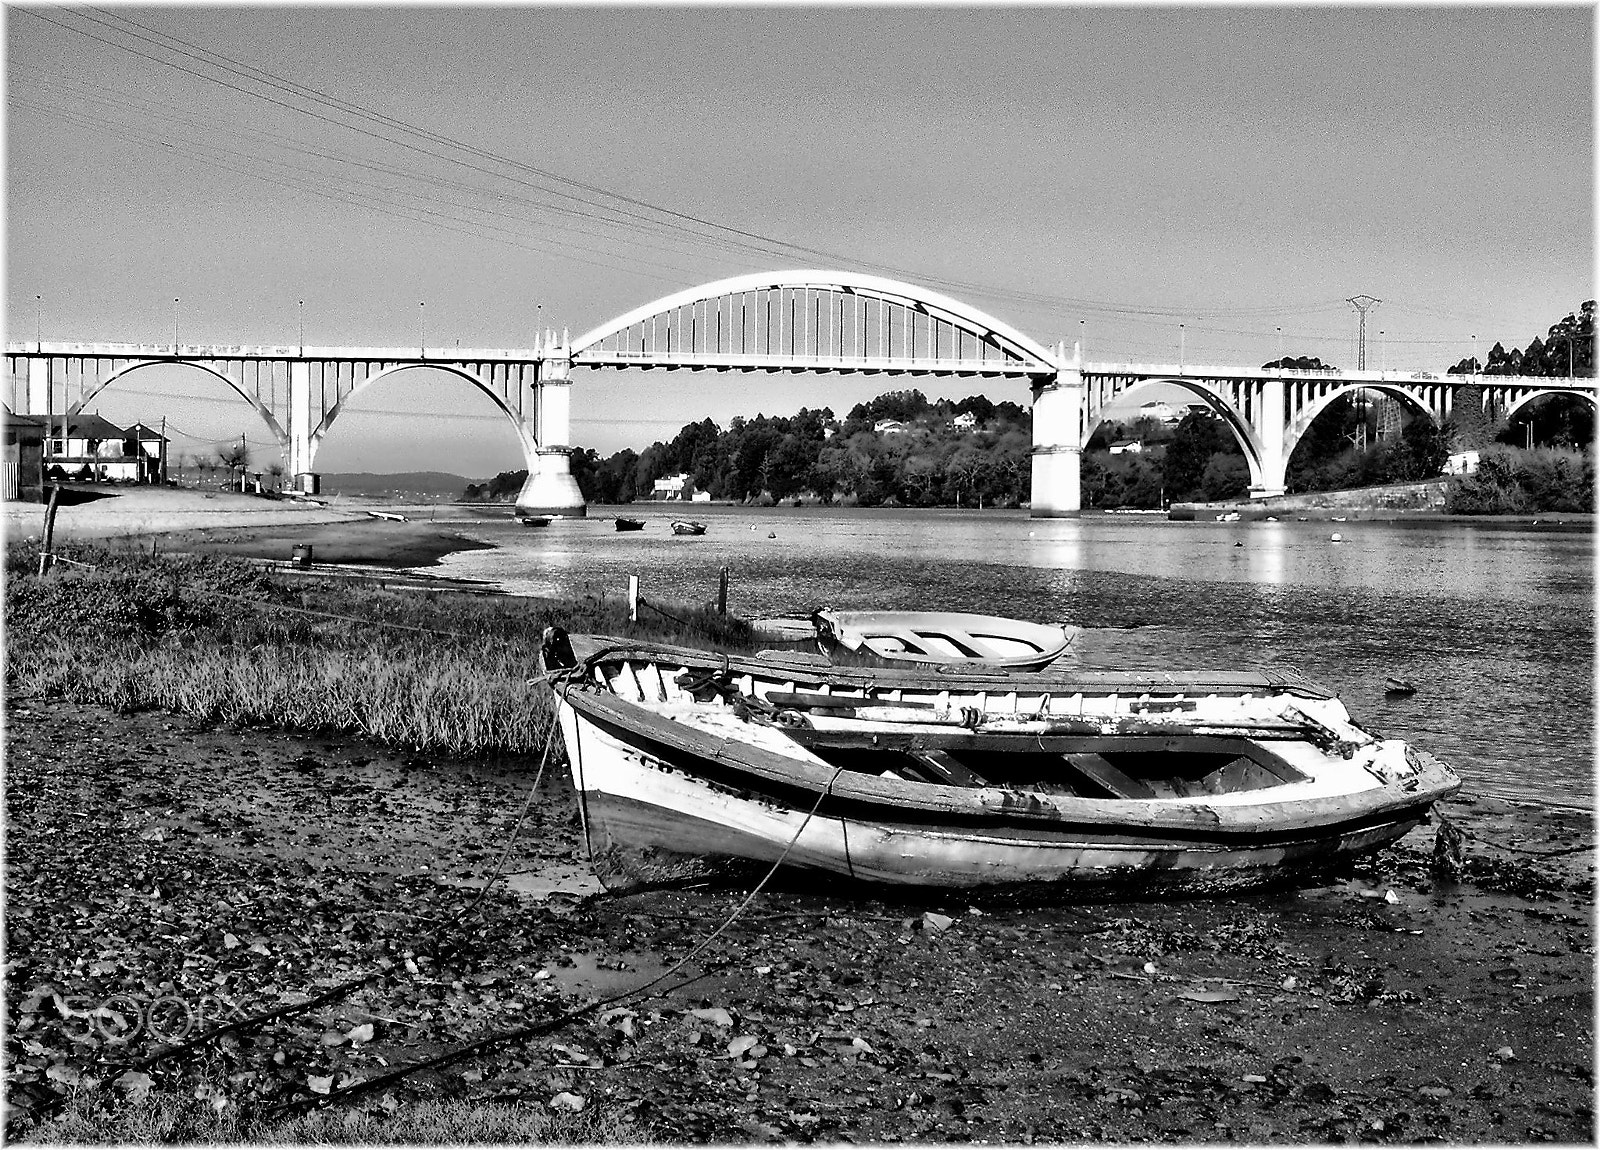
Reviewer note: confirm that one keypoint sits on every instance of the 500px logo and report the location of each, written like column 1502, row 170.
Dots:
column 123, row 1017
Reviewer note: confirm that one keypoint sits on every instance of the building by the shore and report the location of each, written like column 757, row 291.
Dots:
column 82, row 448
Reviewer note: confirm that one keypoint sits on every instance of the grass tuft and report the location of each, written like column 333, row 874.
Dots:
column 223, row 641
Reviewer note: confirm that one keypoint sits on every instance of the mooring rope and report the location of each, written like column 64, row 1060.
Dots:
column 550, row 1025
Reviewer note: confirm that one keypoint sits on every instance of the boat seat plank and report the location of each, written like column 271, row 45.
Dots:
column 946, row 768
column 1102, row 774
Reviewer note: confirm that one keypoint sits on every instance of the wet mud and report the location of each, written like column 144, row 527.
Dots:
column 229, row 871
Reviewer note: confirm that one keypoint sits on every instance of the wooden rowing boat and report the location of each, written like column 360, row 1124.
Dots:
column 687, row 527
column 624, row 524
column 699, row 766
column 937, row 637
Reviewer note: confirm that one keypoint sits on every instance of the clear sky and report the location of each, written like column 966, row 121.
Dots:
column 1090, row 173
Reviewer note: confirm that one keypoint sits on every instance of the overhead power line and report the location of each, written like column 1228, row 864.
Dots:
column 609, row 207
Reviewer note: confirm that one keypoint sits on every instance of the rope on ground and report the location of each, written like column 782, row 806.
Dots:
column 643, row 602
column 344, row 988
column 1458, row 831
column 550, row 1025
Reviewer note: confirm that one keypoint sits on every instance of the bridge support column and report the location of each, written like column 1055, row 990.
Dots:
column 1058, row 443
column 39, row 387
column 1269, row 427
column 550, row 488
column 302, row 448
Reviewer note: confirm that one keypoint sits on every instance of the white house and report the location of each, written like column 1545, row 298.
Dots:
column 966, row 421
column 889, row 426
column 1127, row 447
column 672, row 487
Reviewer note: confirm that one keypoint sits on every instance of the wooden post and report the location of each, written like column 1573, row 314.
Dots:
column 633, row 598
column 722, row 592
column 46, row 560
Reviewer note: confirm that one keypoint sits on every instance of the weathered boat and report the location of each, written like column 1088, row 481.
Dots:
column 696, row 765
column 938, row 637
column 1394, row 685
column 535, row 520
column 629, row 524
column 687, row 527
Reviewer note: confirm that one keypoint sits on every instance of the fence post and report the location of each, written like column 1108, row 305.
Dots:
column 633, row 598
column 722, row 593
column 47, row 542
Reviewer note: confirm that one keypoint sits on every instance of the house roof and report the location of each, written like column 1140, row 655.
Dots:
column 140, row 432
column 92, row 426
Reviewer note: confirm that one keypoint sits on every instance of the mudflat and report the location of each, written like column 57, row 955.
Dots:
column 339, row 530
column 233, row 871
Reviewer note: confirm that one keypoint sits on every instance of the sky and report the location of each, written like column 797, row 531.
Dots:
column 376, row 175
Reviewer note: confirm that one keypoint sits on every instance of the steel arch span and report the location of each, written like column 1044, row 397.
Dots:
column 814, row 320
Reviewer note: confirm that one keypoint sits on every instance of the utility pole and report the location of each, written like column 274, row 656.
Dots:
column 1362, row 304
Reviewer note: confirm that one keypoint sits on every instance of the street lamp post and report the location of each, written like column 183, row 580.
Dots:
column 422, row 331
column 174, row 325
column 1180, row 348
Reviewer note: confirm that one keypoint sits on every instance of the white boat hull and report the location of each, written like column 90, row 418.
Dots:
column 649, row 822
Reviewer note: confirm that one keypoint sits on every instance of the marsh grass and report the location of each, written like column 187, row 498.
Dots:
column 100, row 1118
column 221, row 640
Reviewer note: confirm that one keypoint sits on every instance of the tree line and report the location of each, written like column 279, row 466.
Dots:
column 899, row 449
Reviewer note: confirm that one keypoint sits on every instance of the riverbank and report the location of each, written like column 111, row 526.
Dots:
column 341, row 531
column 242, row 869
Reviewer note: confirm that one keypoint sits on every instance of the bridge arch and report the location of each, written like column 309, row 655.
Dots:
column 1534, row 396
column 525, row 435
column 1301, row 424
column 821, row 339
column 1249, row 441
column 261, row 409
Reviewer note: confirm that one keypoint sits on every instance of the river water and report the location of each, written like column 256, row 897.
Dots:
column 1493, row 622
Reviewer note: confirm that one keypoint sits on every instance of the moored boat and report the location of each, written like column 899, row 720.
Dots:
column 698, row 765
column 687, row 527
column 535, row 520
column 937, row 637
column 629, row 524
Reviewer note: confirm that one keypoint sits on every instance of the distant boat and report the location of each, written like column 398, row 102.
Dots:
column 937, row 638
column 1228, row 517
column 629, row 524
column 687, row 527
column 391, row 515
column 1396, row 686
column 535, row 520
column 1340, row 518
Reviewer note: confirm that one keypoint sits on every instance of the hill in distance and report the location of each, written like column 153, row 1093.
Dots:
column 428, row 484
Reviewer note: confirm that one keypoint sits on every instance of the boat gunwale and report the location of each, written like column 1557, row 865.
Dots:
column 591, row 649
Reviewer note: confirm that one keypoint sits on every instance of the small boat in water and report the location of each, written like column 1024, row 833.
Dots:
column 629, row 524
column 535, row 520
column 696, row 766
column 1397, row 686
column 889, row 638
column 687, row 527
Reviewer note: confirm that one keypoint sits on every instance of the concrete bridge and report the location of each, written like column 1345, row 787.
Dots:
column 789, row 323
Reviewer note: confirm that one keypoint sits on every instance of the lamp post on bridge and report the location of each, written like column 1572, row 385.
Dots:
column 174, row 325
column 1180, row 349
column 38, row 324
column 422, row 332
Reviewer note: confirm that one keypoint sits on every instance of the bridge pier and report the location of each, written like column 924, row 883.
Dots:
column 1058, row 442
column 302, row 448
column 1270, row 415
column 550, row 488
